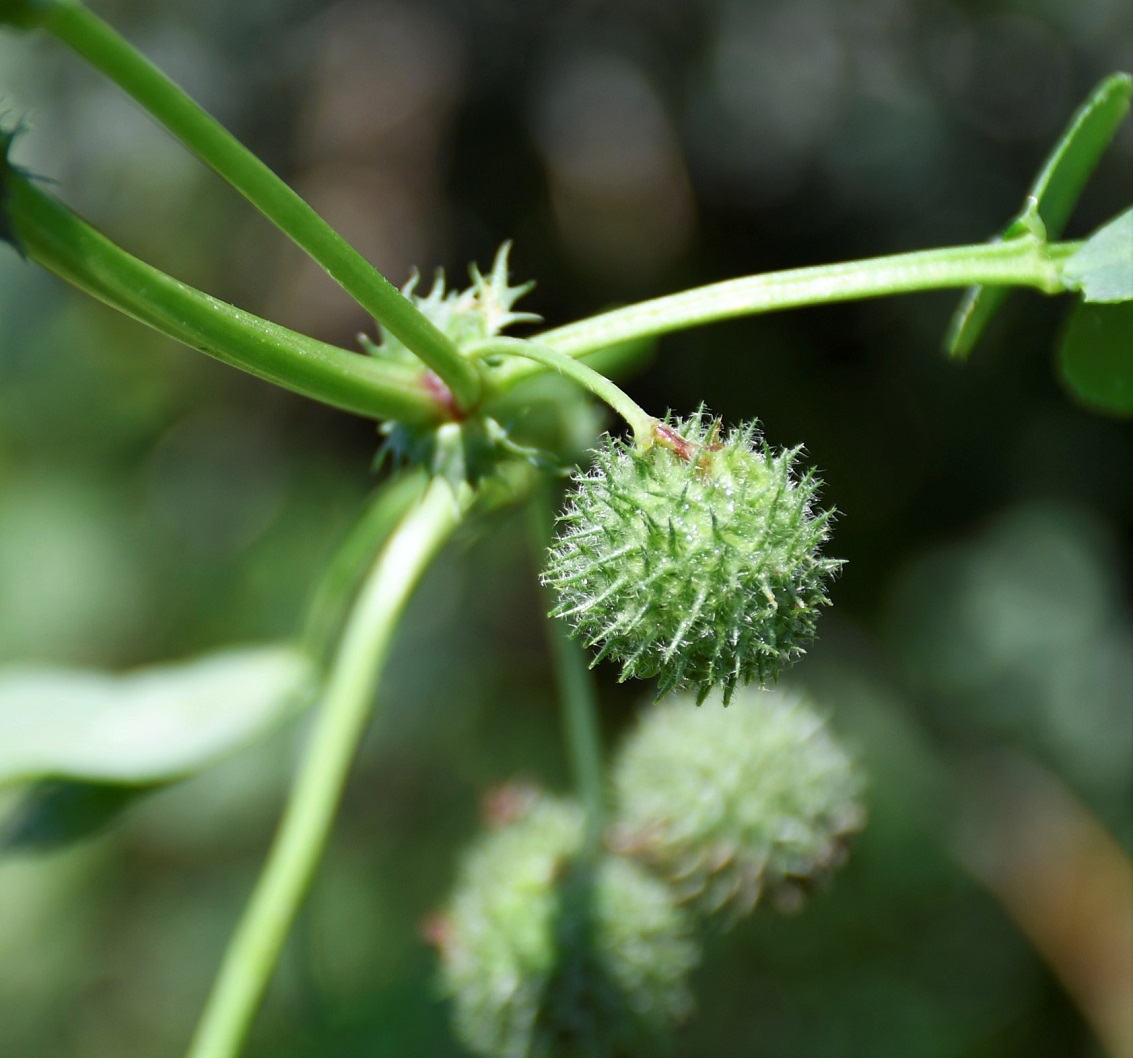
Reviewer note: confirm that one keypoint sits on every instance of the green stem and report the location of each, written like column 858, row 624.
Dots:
column 306, row 823
column 580, row 724
column 65, row 244
column 1018, row 262
column 339, row 581
column 575, row 686
column 640, row 421
column 97, row 43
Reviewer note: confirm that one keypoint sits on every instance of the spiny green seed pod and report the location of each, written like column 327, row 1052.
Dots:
column 732, row 805
column 696, row 560
column 549, row 955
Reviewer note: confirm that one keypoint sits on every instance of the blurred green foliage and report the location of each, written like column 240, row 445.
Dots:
column 154, row 504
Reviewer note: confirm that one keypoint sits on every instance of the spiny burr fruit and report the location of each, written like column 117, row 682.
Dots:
column 548, row 952
column 734, row 805
column 695, row 560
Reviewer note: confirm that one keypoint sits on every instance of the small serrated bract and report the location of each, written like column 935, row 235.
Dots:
column 481, row 311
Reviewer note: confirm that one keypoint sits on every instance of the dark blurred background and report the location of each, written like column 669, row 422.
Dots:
column 154, row 504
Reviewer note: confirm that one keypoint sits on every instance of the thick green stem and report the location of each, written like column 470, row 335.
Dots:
column 577, row 699
column 1018, row 262
column 84, row 32
column 65, row 244
column 639, row 420
column 306, row 823
column 339, row 582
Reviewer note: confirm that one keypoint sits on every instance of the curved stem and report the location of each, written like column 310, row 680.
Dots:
column 339, row 581
column 1018, row 262
column 65, row 244
column 639, row 420
column 96, row 42
column 302, row 836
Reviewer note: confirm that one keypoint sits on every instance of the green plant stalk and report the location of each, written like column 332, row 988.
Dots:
column 62, row 242
column 304, row 829
column 575, row 686
column 640, row 421
column 97, row 43
column 1019, row 262
column 339, row 581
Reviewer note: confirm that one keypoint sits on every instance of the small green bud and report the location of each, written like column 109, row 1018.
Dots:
column 731, row 805
column 547, row 954
column 696, row 560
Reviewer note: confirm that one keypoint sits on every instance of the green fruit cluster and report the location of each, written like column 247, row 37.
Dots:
column 551, row 949
column 549, row 953
column 733, row 806
column 696, row 561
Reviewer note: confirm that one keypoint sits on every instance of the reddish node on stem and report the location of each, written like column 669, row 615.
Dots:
column 684, row 449
column 673, row 441
column 436, row 389
column 436, row 930
column 508, row 802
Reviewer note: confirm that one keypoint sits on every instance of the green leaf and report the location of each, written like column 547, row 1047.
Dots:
column 147, row 726
column 24, row 14
column 1076, row 156
column 7, row 172
column 1096, row 358
column 1103, row 268
column 970, row 320
column 56, row 813
column 1051, row 199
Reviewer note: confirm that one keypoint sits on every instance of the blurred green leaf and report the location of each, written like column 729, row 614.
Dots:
column 1096, row 357
column 1077, row 153
column 7, row 136
column 23, row 14
column 971, row 318
column 56, row 813
column 147, row 726
column 1103, row 268
column 1051, row 199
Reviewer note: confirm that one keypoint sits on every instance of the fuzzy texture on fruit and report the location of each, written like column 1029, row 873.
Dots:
column 696, row 561
column 547, row 955
column 733, row 805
